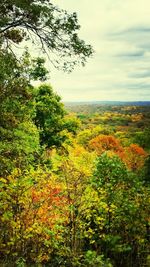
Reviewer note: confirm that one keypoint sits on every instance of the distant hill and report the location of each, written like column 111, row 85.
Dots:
column 90, row 107
column 109, row 103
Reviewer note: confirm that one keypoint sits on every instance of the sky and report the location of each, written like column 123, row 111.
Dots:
column 119, row 31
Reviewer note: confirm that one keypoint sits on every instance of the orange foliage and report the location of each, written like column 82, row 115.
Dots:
column 50, row 202
column 134, row 157
column 137, row 150
column 103, row 143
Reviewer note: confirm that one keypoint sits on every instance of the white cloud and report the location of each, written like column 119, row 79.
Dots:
column 120, row 34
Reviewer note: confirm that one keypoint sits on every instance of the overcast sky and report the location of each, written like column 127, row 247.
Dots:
column 119, row 31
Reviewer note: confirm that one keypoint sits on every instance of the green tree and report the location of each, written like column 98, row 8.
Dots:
column 72, row 123
column 115, row 208
column 74, row 169
column 19, row 137
column 45, row 24
column 142, row 138
column 49, row 116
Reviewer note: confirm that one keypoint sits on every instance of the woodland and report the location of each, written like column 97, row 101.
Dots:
column 74, row 180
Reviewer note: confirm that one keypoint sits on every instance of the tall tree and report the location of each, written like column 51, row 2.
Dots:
column 45, row 24
column 49, row 115
column 19, row 137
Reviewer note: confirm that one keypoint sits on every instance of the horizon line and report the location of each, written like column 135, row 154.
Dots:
column 118, row 101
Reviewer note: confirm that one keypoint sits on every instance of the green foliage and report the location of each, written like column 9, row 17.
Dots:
column 19, row 143
column 145, row 174
column 93, row 260
column 115, row 212
column 87, row 134
column 43, row 23
column 19, row 148
column 72, row 124
column 31, row 232
column 49, row 116
column 109, row 170
column 143, row 138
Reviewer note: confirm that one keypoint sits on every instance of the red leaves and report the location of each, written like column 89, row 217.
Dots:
column 50, row 202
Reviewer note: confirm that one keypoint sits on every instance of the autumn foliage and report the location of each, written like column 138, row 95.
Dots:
column 74, row 187
column 103, row 143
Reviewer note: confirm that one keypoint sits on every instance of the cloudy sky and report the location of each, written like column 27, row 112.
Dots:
column 119, row 32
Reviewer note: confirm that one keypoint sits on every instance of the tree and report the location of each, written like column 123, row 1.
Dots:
column 43, row 23
column 142, row 138
column 102, row 143
column 89, row 133
column 72, row 123
column 74, row 171
column 115, row 213
column 49, row 116
column 19, row 137
column 134, row 157
column 33, row 213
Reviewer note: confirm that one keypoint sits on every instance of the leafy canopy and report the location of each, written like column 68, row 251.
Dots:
column 43, row 23
column 49, row 115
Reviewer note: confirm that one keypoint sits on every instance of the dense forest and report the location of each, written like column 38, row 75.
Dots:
column 74, row 179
